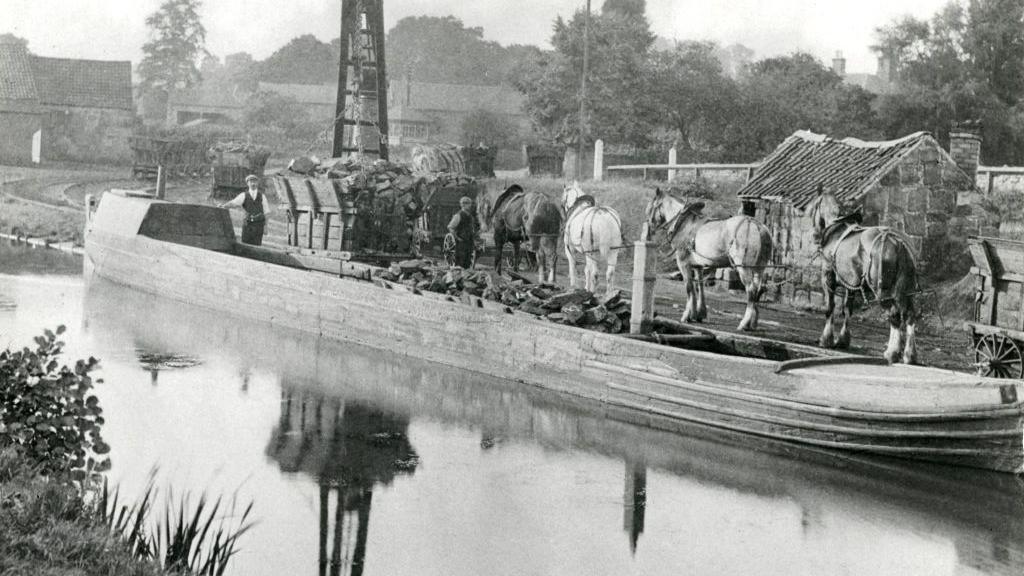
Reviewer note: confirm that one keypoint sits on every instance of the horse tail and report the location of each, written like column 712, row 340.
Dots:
column 892, row 272
column 751, row 244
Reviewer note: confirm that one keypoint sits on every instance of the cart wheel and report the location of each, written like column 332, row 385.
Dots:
column 448, row 249
column 998, row 356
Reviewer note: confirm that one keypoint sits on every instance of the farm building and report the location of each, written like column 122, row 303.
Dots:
column 911, row 185
column 63, row 109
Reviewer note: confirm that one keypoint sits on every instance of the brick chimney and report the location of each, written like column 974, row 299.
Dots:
column 839, row 64
column 965, row 146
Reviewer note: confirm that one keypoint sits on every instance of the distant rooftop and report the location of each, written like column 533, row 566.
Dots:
column 847, row 167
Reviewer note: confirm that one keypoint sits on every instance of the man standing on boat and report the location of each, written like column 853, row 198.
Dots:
column 466, row 230
column 256, row 209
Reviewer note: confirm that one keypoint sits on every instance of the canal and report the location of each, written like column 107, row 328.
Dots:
column 361, row 462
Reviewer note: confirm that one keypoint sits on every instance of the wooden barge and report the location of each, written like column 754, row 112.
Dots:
column 189, row 253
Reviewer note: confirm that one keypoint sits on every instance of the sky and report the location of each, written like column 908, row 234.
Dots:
column 115, row 29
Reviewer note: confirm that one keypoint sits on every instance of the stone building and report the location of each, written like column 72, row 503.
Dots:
column 911, row 185
column 54, row 109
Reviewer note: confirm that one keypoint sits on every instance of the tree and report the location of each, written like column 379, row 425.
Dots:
column 444, row 50
column 631, row 8
column 619, row 106
column 696, row 99
column 303, row 60
column 277, row 112
column 482, row 126
column 177, row 39
column 782, row 94
column 966, row 63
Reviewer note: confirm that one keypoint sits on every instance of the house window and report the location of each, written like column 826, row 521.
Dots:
column 415, row 131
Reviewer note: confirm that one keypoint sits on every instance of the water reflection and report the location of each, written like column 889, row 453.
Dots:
column 699, row 499
column 348, row 448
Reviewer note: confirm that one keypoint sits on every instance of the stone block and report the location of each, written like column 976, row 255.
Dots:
column 910, row 173
column 915, row 225
column 891, row 178
column 937, row 229
column 876, row 199
column 932, row 173
column 941, row 200
column 897, row 199
column 917, row 199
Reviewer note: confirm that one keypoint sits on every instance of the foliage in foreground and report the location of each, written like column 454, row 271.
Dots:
column 187, row 539
column 55, row 517
column 48, row 411
column 47, row 528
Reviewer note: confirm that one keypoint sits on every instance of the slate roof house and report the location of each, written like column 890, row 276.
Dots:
column 63, row 109
column 422, row 112
column 911, row 185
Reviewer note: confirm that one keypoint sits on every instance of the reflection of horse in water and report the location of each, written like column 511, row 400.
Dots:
column 349, row 448
column 517, row 216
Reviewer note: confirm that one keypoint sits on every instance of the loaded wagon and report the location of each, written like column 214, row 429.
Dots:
column 997, row 332
column 179, row 157
column 232, row 162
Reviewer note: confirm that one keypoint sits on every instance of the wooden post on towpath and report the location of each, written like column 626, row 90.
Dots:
column 645, row 273
column 161, row 182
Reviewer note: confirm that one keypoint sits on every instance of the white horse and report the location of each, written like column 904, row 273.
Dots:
column 593, row 231
column 700, row 243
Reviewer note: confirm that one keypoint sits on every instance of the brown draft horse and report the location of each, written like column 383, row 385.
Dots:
column 871, row 259
column 700, row 243
column 518, row 216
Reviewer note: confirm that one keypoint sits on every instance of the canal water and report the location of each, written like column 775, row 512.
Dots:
column 360, row 462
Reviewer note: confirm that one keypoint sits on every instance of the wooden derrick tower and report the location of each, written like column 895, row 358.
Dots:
column 361, row 115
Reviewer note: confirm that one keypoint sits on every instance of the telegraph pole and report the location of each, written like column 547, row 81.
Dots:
column 581, row 146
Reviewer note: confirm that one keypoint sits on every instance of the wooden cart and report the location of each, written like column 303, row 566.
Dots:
column 997, row 332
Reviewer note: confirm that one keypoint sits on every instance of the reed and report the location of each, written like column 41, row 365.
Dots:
column 198, row 539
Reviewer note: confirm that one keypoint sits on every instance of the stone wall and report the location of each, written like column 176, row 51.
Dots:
column 87, row 135
column 925, row 198
column 16, row 130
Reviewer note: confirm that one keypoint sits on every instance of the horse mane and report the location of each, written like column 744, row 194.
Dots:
column 582, row 200
column 505, row 197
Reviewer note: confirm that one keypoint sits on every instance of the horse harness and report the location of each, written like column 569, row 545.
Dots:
column 582, row 203
column 675, row 226
column 884, row 234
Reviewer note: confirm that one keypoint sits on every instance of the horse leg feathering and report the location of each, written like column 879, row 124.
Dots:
column 828, row 285
column 892, row 351
column 572, row 264
column 701, row 308
column 843, row 341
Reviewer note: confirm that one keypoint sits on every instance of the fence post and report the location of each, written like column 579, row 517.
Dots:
column 599, row 160
column 672, row 157
column 161, row 181
column 645, row 269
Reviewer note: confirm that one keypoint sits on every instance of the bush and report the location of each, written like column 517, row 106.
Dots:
column 48, row 413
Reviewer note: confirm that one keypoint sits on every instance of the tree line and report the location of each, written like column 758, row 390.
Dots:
column 713, row 103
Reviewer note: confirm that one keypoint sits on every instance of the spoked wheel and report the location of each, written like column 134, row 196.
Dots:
column 997, row 356
column 448, row 249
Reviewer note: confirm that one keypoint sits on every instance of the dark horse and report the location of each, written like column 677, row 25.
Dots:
column 871, row 259
column 518, row 216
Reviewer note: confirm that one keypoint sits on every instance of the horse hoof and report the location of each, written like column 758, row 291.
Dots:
column 891, row 357
column 825, row 343
column 910, row 359
column 842, row 343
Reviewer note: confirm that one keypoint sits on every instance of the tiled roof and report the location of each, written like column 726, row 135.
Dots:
column 846, row 167
column 84, row 83
column 208, row 95
column 425, row 96
column 16, row 81
column 324, row 94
